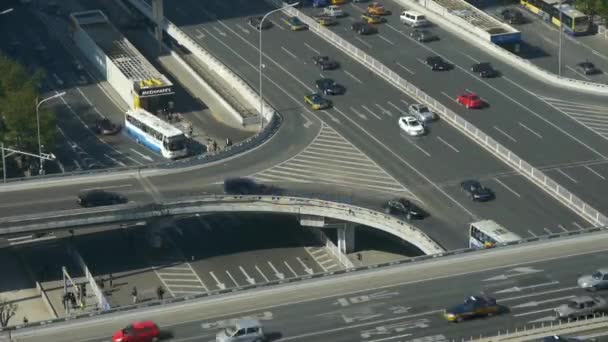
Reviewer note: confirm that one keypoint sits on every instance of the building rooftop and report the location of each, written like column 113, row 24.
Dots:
column 120, row 51
column 475, row 16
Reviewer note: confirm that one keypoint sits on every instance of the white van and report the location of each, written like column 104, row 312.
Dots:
column 243, row 330
column 413, row 19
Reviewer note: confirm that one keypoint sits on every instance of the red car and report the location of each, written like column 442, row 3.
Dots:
column 146, row 331
column 470, row 100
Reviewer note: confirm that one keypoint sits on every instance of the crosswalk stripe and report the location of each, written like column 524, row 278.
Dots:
column 589, row 116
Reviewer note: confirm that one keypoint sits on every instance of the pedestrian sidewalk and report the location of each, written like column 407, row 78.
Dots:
column 29, row 305
column 372, row 257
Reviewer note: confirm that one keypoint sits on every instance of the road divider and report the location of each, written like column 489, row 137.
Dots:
column 533, row 174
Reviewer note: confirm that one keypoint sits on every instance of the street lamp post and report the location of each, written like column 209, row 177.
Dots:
column 38, row 126
column 559, row 52
column 260, row 48
column 6, row 11
column 45, row 156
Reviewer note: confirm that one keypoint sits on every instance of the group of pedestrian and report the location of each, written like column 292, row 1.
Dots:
column 160, row 293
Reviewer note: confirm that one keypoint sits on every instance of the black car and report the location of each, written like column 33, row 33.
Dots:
column 476, row 191
column 255, row 23
column 557, row 338
column 484, row 70
column 437, row 63
column 587, row 68
column 327, row 86
column 95, row 198
column 424, row 36
column 512, row 16
column 363, row 28
column 106, row 127
column 325, row 63
column 404, row 208
column 248, row 186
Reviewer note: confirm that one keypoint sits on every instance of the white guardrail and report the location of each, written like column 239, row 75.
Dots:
column 274, row 204
column 536, row 176
column 239, row 85
column 442, row 17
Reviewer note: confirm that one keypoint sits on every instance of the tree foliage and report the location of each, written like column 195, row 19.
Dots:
column 7, row 311
column 18, row 96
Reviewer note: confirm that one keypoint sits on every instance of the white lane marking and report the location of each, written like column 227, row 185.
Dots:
column 421, row 149
column 594, row 172
column 505, row 134
column 289, row 52
column 261, row 273
column 563, row 228
column 530, row 130
column 201, row 35
column 247, row 277
column 548, row 40
column 313, row 49
column 448, row 144
column 471, row 57
column 577, row 225
column 306, row 268
column 242, row 28
column 219, row 284
column 115, row 160
column 532, row 233
column 364, row 42
column 232, row 278
column 449, row 97
column 533, row 312
column 277, row 24
column 537, row 303
column 567, row 176
column 222, row 33
column 361, row 115
column 406, row 69
column 536, row 294
column 385, row 111
column 148, row 158
column 291, row 269
column 507, row 187
column 578, row 73
column 548, row 231
column 331, row 117
column 352, row 76
column 371, row 112
column 404, row 102
column 395, row 106
column 548, row 121
column 120, row 186
column 385, row 39
column 276, row 272
column 393, row 28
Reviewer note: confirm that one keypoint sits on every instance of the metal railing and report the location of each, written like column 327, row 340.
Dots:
column 533, row 174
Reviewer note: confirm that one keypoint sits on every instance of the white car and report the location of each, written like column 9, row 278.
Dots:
column 411, row 125
column 333, row 11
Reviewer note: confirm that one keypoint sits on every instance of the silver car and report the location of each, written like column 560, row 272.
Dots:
column 581, row 306
column 422, row 112
column 596, row 281
column 243, row 330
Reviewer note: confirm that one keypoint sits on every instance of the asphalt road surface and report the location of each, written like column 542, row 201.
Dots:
column 396, row 304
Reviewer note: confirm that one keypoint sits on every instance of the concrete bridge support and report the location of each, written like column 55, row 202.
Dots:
column 346, row 238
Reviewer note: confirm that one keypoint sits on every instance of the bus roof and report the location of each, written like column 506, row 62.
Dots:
column 153, row 121
column 496, row 231
column 570, row 11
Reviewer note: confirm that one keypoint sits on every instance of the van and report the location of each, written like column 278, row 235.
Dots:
column 413, row 19
column 243, row 330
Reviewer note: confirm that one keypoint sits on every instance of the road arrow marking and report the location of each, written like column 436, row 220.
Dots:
column 518, row 272
column 247, row 277
column 242, row 28
column 291, row 269
column 543, row 319
column 219, row 31
column 262, row 273
column 520, row 288
column 148, row 158
column 306, row 268
column 221, row 286
column 276, row 272
column 115, row 160
column 537, row 303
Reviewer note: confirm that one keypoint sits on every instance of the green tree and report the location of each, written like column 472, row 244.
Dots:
column 589, row 7
column 18, row 96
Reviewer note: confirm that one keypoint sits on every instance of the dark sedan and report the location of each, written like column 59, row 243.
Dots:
column 588, row 68
column 512, row 16
column 95, row 198
column 437, row 63
column 484, row 70
column 325, row 63
column 363, row 28
column 424, row 36
column 402, row 207
column 476, row 191
column 255, row 23
column 327, row 86
column 106, row 127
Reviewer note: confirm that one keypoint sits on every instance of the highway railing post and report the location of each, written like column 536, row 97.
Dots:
column 3, row 162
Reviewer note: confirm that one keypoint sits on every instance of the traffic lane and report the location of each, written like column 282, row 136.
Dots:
column 497, row 99
column 511, row 263
column 35, row 201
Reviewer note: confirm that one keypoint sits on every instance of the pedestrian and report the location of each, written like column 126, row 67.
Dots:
column 65, row 301
column 214, row 145
column 134, row 294
column 160, row 292
column 359, row 256
column 101, row 284
column 111, row 278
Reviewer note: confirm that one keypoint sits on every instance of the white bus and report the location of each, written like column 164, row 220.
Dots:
column 156, row 134
column 488, row 233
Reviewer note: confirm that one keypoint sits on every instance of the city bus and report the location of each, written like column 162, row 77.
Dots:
column 488, row 233
column 156, row 134
column 574, row 21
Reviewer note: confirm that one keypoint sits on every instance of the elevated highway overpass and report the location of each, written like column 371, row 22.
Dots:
column 397, row 302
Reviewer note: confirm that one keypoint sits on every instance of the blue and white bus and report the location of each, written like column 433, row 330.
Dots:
column 488, row 234
column 156, row 134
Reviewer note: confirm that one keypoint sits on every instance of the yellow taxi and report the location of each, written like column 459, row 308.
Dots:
column 372, row 18
column 473, row 306
column 377, row 8
column 317, row 102
column 326, row 20
column 295, row 24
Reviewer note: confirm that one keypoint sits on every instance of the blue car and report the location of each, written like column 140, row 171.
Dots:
column 319, row 3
